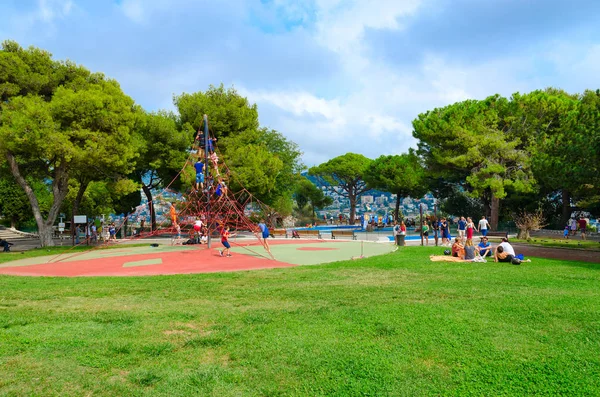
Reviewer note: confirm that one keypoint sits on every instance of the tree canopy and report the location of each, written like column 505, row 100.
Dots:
column 469, row 139
column 402, row 175
column 308, row 194
column 344, row 176
column 57, row 120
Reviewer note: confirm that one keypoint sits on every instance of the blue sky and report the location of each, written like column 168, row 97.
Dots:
column 334, row 76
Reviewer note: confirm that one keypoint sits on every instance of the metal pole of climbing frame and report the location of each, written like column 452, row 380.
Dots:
column 421, row 216
column 206, row 176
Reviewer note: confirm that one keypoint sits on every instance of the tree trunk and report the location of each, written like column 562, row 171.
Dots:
column 397, row 210
column 124, row 226
column 60, row 187
column 494, row 212
column 523, row 234
column 566, row 207
column 148, row 194
column 352, row 198
column 82, row 188
column 13, row 221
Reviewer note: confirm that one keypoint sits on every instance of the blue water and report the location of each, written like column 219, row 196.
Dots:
column 329, row 228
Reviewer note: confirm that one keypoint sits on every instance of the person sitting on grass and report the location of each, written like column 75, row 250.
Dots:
column 507, row 247
column 502, row 256
column 469, row 250
column 485, row 248
column 458, row 250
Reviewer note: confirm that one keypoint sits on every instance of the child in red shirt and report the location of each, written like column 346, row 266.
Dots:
column 225, row 241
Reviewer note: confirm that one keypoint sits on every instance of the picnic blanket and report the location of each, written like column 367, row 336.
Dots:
column 446, row 258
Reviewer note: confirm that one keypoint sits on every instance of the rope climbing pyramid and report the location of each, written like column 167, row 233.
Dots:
column 210, row 207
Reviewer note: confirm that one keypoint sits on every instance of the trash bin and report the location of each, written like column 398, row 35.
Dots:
column 400, row 240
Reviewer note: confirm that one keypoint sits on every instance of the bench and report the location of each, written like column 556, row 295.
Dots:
column 279, row 233
column 343, row 233
column 496, row 234
column 309, row 233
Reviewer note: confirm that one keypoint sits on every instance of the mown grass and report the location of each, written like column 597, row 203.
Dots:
column 555, row 242
column 57, row 250
column 395, row 325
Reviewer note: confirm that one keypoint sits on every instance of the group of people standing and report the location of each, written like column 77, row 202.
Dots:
column 97, row 231
column 466, row 229
column 573, row 225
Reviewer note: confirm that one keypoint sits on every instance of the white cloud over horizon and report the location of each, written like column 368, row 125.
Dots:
column 332, row 75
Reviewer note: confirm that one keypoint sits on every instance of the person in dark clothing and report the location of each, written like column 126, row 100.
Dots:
column 5, row 245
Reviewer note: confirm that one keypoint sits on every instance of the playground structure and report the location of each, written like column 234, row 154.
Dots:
column 207, row 207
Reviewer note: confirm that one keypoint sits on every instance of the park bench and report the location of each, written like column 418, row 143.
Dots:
column 309, row 233
column 343, row 233
column 279, row 233
column 496, row 234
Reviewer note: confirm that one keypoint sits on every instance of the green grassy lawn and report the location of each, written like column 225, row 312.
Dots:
column 57, row 250
column 559, row 242
column 397, row 324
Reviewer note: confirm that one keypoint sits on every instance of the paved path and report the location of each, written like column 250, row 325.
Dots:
column 558, row 253
column 24, row 241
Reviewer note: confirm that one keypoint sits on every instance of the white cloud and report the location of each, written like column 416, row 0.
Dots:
column 348, row 100
column 133, row 9
column 341, row 25
column 364, row 119
column 49, row 10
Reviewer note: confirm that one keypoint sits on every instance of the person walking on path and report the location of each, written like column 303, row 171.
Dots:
column 470, row 228
column 445, row 228
column 573, row 224
column 582, row 227
column 396, row 230
column 425, row 232
column 462, row 226
column 483, row 226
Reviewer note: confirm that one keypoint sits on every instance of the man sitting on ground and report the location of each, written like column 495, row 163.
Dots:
column 485, row 248
column 504, row 252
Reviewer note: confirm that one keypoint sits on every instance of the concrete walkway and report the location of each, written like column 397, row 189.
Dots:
column 25, row 241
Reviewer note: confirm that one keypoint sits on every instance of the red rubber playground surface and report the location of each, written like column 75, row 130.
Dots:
column 167, row 259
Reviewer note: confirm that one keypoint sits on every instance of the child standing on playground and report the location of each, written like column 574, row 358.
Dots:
column 265, row 234
column 225, row 241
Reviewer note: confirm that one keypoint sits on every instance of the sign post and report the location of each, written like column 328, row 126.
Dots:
column 77, row 220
